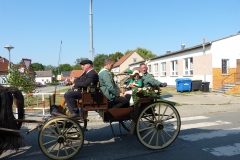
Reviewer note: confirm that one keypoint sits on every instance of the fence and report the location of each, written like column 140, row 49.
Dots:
column 43, row 101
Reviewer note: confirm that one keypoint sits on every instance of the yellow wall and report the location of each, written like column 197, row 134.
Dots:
column 234, row 90
column 218, row 77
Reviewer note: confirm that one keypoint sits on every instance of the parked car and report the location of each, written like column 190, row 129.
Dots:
column 38, row 84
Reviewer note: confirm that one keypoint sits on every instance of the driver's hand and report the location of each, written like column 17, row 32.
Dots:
column 121, row 95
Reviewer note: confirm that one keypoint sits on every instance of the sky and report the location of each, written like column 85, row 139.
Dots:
column 36, row 28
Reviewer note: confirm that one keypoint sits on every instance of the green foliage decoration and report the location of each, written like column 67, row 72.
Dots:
column 22, row 81
column 144, row 93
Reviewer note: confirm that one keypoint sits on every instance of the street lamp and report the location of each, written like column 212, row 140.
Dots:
column 27, row 62
column 9, row 47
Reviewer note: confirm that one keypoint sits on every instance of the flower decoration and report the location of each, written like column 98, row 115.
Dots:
column 145, row 93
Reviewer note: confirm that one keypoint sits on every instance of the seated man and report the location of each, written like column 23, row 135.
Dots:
column 148, row 79
column 109, row 88
column 89, row 76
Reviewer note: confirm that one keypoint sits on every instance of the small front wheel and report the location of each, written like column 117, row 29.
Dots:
column 158, row 125
column 61, row 138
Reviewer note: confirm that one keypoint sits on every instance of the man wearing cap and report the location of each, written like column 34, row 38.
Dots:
column 148, row 79
column 127, row 79
column 89, row 76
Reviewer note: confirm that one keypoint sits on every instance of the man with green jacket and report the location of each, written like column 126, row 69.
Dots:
column 148, row 79
column 109, row 88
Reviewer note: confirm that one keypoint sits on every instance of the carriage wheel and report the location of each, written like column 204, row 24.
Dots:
column 158, row 125
column 126, row 124
column 61, row 138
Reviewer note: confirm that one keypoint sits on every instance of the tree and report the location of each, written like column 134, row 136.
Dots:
column 146, row 54
column 116, row 56
column 63, row 67
column 22, row 81
column 99, row 61
column 78, row 60
column 36, row 67
column 77, row 67
column 48, row 68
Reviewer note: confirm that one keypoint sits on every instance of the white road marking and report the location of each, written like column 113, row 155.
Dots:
column 209, row 135
column 203, row 124
column 193, row 118
column 225, row 150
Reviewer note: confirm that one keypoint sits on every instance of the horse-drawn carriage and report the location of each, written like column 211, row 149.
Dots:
column 155, row 122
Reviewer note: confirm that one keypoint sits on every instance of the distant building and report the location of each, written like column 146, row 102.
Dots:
column 75, row 74
column 44, row 76
column 123, row 63
column 217, row 62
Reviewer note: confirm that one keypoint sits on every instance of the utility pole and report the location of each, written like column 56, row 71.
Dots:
column 91, row 32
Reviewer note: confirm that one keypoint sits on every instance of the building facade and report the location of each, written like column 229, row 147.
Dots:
column 217, row 62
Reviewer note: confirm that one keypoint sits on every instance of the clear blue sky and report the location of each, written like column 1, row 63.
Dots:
column 36, row 27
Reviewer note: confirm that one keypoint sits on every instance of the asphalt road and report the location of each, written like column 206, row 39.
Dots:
column 212, row 136
column 46, row 89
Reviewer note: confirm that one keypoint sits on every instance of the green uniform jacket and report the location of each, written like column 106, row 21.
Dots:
column 149, row 80
column 138, row 82
column 107, row 85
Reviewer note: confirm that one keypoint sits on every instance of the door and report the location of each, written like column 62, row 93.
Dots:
column 238, row 71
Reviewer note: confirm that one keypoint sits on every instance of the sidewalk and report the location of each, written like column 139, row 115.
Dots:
column 207, row 103
column 189, row 105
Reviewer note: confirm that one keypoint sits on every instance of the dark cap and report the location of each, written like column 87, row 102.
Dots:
column 86, row 62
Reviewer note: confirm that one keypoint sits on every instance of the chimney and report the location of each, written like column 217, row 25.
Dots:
column 167, row 52
column 182, row 46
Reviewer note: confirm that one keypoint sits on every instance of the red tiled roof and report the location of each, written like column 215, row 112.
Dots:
column 3, row 65
column 76, row 73
column 121, row 60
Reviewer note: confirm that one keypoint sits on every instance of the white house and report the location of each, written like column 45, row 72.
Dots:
column 44, row 76
column 217, row 62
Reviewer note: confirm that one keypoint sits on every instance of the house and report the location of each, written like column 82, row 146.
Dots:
column 65, row 75
column 4, row 64
column 3, row 69
column 217, row 62
column 75, row 74
column 44, row 76
column 123, row 63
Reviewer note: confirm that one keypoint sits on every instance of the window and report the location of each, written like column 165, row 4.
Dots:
column 174, row 66
column 156, row 69
column 163, row 71
column 188, row 66
column 225, row 66
column 149, row 69
column 134, row 60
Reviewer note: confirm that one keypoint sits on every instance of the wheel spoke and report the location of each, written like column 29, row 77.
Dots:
column 159, row 112
column 58, row 130
column 52, row 148
column 163, row 139
column 49, row 142
column 164, row 112
column 168, row 116
column 152, row 137
column 65, row 150
column 59, row 148
column 52, row 131
column 144, row 129
column 148, row 133
column 168, row 134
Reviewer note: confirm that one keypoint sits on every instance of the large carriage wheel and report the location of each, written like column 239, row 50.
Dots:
column 158, row 125
column 61, row 138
